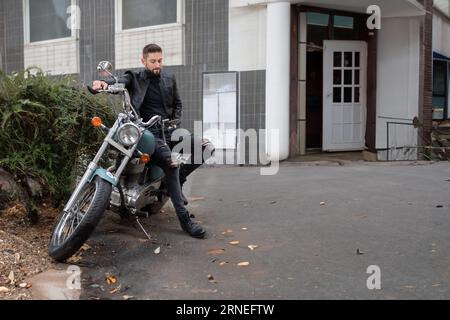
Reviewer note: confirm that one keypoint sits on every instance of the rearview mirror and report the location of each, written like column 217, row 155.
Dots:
column 105, row 69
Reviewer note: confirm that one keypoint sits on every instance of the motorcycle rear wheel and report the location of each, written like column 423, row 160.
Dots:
column 73, row 227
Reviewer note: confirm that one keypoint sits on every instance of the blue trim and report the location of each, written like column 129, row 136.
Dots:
column 105, row 175
column 440, row 56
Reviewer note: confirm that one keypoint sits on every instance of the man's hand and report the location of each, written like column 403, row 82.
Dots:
column 99, row 85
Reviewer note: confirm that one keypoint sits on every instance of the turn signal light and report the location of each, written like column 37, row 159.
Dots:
column 96, row 122
column 145, row 158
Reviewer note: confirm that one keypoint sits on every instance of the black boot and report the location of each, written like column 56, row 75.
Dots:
column 194, row 229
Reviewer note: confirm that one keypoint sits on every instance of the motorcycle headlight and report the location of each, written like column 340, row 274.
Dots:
column 128, row 135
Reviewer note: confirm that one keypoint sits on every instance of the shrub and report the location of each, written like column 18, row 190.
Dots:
column 45, row 128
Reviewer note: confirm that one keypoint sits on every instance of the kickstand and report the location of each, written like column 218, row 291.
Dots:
column 142, row 228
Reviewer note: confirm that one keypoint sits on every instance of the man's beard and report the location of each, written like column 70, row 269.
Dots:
column 156, row 72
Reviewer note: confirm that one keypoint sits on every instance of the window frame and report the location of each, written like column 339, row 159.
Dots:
column 446, row 95
column 26, row 26
column 119, row 17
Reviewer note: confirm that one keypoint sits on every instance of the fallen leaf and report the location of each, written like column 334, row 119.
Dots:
column 252, row 246
column 115, row 290
column 409, row 287
column 322, row 203
column 125, row 297
column 273, row 202
column 86, row 247
column 216, row 251
column 29, row 286
column 243, row 264
column 4, row 289
column 17, row 257
column 111, row 279
column 222, row 263
column 74, row 259
column 11, row 277
column 23, row 285
column 227, row 232
column 196, row 199
column 157, row 250
column 210, row 278
column 358, row 252
column 234, row 243
column 244, row 229
column 204, row 291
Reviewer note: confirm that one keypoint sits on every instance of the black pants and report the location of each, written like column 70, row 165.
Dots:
column 195, row 160
column 175, row 176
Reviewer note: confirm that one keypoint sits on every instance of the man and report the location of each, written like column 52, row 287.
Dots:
column 154, row 92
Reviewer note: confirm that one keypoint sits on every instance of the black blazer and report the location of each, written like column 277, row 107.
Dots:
column 137, row 83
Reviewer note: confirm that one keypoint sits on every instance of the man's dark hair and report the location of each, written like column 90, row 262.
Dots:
column 151, row 48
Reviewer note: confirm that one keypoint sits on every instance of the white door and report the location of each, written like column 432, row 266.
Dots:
column 344, row 95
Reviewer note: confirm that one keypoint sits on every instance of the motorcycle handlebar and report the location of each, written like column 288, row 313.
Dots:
column 91, row 90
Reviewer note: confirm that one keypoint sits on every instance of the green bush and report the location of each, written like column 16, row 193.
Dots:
column 45, row 128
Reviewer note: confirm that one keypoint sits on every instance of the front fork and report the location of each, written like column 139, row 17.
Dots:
column 93, row 166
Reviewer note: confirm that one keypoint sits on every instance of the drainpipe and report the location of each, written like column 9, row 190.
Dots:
column 277, row 79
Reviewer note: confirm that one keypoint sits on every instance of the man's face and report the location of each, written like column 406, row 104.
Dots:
column 153, row 62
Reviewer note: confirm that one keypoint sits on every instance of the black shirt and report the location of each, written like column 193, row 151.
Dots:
column 153, row 102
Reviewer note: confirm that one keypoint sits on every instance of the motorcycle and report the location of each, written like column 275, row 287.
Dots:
column 132, row 186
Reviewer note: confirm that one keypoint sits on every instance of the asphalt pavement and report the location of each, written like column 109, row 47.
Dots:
column 311, row 231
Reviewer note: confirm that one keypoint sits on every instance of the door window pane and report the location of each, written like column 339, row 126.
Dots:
column 348, row 77
column 356, row 76
column 337, row 95
column 337, row 77
column 348, row 59
column 357, row 95
column 337, row 59
column 357, row 56
column 144, row 13
column 347, row 95
column 48, row 19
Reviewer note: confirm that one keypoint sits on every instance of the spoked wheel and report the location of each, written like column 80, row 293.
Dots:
column 75, row 225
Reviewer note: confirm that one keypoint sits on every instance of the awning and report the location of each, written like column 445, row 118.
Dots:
column 440, row 56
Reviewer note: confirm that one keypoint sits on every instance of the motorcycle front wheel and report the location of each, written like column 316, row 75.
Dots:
column 74, row 226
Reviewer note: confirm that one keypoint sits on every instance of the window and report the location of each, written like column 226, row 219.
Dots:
column 343, row 27
column 47, row 19
column 440, row 89
column 135, row 14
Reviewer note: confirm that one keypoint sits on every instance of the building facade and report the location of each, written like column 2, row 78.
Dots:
column 323, row 74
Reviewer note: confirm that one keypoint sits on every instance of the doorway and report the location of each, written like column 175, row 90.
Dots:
column 328, row 128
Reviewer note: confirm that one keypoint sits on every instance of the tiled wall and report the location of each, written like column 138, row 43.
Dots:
column 96, row 36
column 59, row 57
column 252, row 108
column 13, row 55
column 252, row 99
column 207, row 33
column 129, row 45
